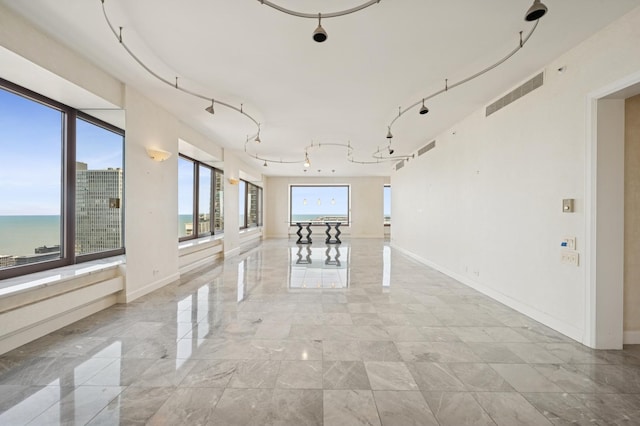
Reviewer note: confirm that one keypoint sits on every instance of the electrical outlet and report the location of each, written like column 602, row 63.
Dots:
column 569, row 243
column 570, row 257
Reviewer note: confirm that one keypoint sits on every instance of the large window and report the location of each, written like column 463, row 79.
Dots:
column 249, row 205
column 387, row 205
column 99, row 188
column 200, row 199
column 61, row 175
column 319, row 204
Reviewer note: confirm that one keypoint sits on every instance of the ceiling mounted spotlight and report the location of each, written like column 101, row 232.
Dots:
column 307, row 163
column 391, row 151
column 423, row 109
column 389, row 135
column 265, row 163
column 320, row 34
column 536, row 11
column 257, row 139
column 209, row 109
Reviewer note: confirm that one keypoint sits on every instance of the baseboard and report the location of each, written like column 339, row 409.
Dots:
column 631, row 338
column 232, row 252
column 130, row 297
column 542, row 317
column 198, row 263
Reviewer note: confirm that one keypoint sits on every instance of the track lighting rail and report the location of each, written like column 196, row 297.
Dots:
column 315, row 15
column 521, row 43
column 174, row 84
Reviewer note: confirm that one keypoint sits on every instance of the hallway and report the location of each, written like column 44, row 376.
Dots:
column 340, row 335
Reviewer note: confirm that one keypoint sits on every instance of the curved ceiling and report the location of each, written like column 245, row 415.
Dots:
column 346, row 89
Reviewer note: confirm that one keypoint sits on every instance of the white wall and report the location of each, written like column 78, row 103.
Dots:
column 632, row 221
column 485, row 205
column 151, row 197
column 366, row 204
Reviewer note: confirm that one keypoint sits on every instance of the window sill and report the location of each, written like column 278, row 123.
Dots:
column 200, row 241
column 44, row 279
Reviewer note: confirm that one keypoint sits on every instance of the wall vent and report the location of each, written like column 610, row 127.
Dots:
column 516, row 94
column 427, row 147
column 400, row 165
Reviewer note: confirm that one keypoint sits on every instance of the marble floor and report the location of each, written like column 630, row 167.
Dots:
column 287, row 335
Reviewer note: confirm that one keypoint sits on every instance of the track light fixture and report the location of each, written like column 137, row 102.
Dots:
column 391, row 150
column 423, row 109
column 320, row 34
column 119, row 37
column 307, row 163
column 265, row 163
column 209, row 109
column 536, row 11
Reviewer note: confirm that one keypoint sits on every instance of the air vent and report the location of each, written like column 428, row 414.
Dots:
column 426, row 148
column 400, row 165
column 516, row 94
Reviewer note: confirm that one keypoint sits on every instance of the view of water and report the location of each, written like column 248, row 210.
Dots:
column 20, row 235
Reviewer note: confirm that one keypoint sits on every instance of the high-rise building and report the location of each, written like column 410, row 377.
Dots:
column 98, row 216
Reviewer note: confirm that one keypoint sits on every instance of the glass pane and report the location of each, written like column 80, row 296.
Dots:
column 99, row 188
column 185, row 197
column 241, row 203
column 204, row 201
column 387, row 205
column 320, row 204
column 30, row 176
column 253, row 205
column 218, row 202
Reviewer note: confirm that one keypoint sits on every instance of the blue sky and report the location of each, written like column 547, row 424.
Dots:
column 31, row 147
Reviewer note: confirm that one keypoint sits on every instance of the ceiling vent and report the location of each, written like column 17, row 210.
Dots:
column 426, row 148
column 399, row 165
column 516, row 94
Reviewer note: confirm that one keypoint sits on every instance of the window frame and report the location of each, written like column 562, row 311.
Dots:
column 259, row 198
column 196, row 200
column 348, row 186
column 68, row 143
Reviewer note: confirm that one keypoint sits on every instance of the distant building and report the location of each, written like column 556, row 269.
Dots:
column 98, row 216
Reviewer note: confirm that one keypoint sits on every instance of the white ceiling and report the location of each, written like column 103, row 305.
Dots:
column 347, row 89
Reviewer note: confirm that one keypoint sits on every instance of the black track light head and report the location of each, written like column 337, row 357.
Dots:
column 536, row 11
column 320, row 34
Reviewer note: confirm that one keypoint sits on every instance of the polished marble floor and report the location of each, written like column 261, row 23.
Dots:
column 288, row 335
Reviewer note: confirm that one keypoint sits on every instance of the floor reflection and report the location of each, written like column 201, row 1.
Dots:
column 319, row 267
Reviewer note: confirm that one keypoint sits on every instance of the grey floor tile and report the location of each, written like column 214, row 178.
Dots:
column 431, row 376
column 613, row 408
column 296, row 407
column 524, row 378
column 188, row 406
column 345, row 375
column 255, row 374
column 349, row 407
column 510, row 409
column 457, row 409
column 300, row 375
column 134, row 406
column 563, row 409
column 243, row 407
column 390, row 376
column 403, row 408
column 480, row 377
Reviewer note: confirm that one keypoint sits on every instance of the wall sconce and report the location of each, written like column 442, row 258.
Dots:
column 158, row 154
column 234, row 181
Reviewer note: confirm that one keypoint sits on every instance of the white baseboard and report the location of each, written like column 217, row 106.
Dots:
column 542, row 317
column 130, row 297
column 198, row 263
column 232, row 252
column 631, row 338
